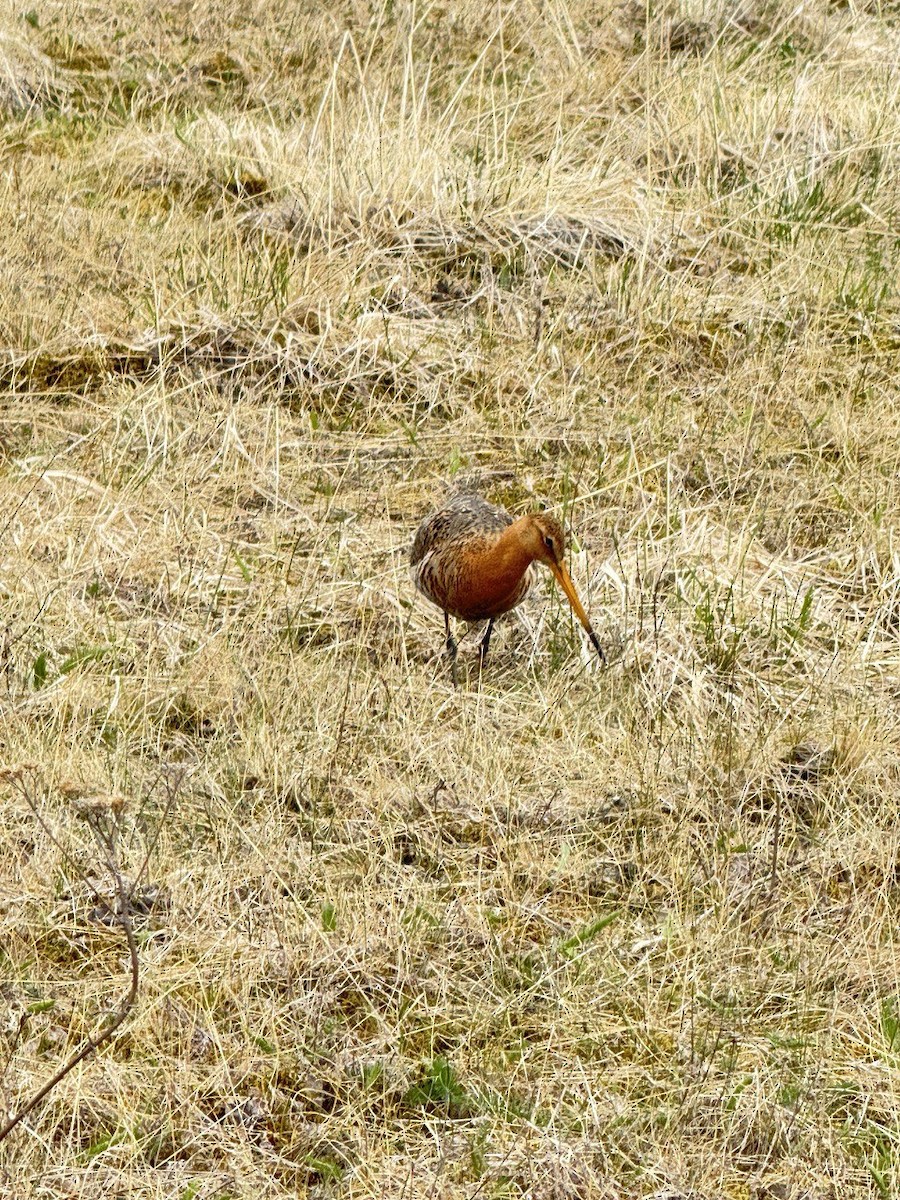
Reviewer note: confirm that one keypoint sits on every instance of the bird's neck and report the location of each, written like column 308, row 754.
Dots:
column 511, row 557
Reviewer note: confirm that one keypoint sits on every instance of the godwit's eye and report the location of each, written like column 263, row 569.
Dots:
column 548, row 542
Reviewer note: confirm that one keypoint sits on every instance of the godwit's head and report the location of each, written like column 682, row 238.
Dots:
column 544, row 538
column 547, row 539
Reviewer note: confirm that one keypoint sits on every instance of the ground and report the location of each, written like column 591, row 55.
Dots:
column 277, row 276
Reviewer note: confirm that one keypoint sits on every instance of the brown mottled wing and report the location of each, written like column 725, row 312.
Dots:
column 462, row 516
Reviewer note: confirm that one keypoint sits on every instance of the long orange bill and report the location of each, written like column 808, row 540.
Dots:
column 564, row 579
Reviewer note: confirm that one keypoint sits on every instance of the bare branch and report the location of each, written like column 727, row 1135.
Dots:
column 103, row 820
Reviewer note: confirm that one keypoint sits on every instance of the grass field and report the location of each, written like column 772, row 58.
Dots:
column 275, row 276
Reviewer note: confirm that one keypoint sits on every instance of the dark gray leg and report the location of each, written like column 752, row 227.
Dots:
column 485, row 642
column 451, row 648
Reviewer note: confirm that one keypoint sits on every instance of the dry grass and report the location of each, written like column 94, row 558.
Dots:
column 274, row 274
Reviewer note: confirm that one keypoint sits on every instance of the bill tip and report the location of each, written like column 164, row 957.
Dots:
column 595, row 641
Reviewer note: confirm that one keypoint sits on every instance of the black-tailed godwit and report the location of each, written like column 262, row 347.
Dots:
column 475, row 561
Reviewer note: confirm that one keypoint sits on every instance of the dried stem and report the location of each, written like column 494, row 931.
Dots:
column 104, row 832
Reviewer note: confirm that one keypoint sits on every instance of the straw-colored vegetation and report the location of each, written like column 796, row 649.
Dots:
column 274, row 275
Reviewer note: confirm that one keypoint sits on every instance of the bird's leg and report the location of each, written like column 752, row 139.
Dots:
column 451, row 648
column 485, row 642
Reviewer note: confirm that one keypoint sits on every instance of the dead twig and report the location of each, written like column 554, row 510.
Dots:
column 102, row 815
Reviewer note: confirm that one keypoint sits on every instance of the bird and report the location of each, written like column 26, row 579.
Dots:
column 475, row 562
